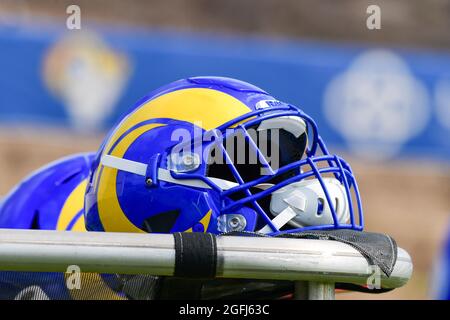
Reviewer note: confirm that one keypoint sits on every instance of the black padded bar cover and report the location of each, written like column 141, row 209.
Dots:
column 195, row 255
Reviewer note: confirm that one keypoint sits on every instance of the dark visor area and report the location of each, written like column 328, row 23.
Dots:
column 278, row 146
column 272, row 143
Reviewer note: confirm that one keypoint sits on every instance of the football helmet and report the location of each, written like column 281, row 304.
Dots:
column 219, row 155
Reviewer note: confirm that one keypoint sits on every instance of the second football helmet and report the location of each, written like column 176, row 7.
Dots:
column 212, row 154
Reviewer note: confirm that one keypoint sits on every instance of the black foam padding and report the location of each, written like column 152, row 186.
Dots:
column 195, row 255
column 378, row 249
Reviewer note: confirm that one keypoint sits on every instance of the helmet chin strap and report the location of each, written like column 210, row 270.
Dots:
column 304, row 203
column 140, row 168
column 280, row 220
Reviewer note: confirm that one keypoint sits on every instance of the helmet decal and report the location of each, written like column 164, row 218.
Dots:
column 71, row 217
column 194, row 105
column 204, row 222
column 111, row 215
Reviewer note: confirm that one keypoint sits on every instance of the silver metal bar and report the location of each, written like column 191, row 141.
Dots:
column 311, row 290
column 255, row 258
column 320, row 291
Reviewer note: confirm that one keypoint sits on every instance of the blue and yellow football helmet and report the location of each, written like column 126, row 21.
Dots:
column 194, row 156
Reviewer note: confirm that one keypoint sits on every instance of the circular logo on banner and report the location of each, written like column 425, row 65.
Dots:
column 377, row 104
column 442, row 99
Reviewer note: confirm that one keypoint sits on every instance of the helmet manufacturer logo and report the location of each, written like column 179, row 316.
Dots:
column 264, row 104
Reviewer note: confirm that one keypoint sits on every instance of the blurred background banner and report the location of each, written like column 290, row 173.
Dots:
column 380, row 96
column 374, row 102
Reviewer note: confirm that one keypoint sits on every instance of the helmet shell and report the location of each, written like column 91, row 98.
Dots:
column 120, row 201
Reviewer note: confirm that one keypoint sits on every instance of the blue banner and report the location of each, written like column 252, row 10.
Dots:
column 375, row 102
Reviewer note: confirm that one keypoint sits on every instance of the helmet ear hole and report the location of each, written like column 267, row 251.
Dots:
column 336, row 205
column 160, row 222
column 320, row 206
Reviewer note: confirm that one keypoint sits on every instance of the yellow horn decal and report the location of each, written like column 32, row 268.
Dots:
column 79, row 225
column 73, row 204
column 111, row 214
column 204, row 221
column 207, row 108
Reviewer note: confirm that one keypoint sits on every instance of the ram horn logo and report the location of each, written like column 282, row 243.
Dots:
column 87, row 76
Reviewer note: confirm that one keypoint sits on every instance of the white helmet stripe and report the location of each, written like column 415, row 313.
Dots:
column 135, row 167
column 140, row 168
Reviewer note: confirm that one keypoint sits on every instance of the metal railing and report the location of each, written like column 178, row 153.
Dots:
column 312, row 264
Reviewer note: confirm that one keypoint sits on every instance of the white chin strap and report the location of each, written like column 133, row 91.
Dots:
column 280, row 220
column 304, row 203
column 140, row 168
